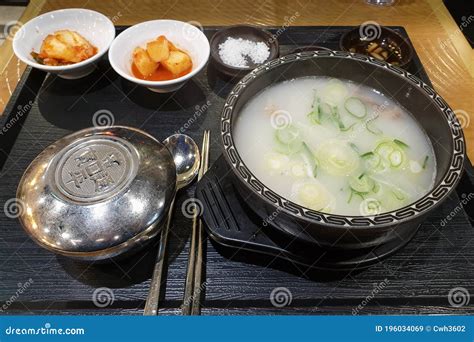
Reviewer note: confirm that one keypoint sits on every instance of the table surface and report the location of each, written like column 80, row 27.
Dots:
column 417, row 279
column 444, row 52
column 430, row 29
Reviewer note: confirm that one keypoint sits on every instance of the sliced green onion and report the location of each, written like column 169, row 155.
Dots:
column 313, row 195
column 370, row 207
column 334, row 91
column 356, row 107
column 384, row 149
column 425, row 162
column 275, row 161
column 347, row 128
column 367, row 154
column 415, row 167
column 400, row 143
column 399, row 194
column 391, row 152
column 354, row 147
column 337, row 118
column 337, row 158
column 315, row 114
column 395, row 158
column 325, row 109
column 288, row 140
column 362, row 184
column 373, row 162
column 373, row 129
column 314, row 118
column 353, row 192
column 288, row 134
column 311, row 159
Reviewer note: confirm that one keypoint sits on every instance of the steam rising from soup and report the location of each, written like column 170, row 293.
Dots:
column 334, row 146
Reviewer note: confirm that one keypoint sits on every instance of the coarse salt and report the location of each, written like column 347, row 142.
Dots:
column 237, row 52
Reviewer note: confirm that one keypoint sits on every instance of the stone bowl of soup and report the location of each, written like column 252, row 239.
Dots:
column 339, row 149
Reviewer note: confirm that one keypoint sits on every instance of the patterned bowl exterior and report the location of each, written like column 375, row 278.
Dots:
column 422, row 206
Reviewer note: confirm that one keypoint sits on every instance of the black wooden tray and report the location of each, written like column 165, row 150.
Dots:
column 43, row 108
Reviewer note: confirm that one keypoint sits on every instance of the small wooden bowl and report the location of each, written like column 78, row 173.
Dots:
column 249, row 32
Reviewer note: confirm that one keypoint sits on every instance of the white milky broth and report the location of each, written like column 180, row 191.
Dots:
column 335, row 146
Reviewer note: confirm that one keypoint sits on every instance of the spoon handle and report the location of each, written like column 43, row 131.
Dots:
column 153, row 298
column 193, row 287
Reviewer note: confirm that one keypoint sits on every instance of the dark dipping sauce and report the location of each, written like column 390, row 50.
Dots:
column 382, row 49
column 160, row 74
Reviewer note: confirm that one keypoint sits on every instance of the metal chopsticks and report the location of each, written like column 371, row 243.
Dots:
column 192, row 290
column 153, row 298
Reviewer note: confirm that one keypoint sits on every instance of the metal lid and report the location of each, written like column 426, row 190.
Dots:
column 98, row 192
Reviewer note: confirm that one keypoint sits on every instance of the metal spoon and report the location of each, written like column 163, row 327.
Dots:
column 187, row 159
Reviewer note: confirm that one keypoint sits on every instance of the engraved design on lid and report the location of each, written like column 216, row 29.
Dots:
column 95, row 168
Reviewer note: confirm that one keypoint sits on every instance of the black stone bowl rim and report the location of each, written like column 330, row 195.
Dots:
column 422, row 206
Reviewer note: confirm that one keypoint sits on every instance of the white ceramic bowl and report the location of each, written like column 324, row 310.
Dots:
column 183, row 35
column 93, row 26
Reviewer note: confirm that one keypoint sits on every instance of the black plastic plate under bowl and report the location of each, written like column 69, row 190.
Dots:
column 231, row 223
